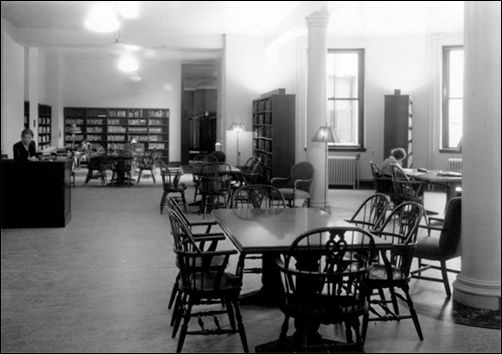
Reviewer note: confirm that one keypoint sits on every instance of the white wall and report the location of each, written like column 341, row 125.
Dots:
column 12, row 90
column 391, row 62
column 92, row 81
column 245, row 78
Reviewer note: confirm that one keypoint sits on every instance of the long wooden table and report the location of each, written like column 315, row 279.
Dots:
column 271, row 232
column 449, row 180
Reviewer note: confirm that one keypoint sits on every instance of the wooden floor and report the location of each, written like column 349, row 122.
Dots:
column 102, row 285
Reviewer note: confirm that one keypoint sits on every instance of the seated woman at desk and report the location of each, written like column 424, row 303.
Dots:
column 397, row 155
column 25, row 150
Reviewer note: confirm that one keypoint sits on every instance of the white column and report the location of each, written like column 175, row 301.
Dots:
column 33, row 85
column 316, row 99
column 478, row 285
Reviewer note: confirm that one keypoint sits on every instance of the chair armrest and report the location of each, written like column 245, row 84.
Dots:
column 279, row 181
column 295, row 184
column 209, row 237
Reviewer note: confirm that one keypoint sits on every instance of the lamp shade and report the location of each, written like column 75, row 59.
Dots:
column 237, row 127
column 324, row 135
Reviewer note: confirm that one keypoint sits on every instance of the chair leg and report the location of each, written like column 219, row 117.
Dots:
column 444, row 272
column 184, row 328
column 88, row 177
column 163, row 201
column 284, row 328
column 364, row 329
column 413, row 313
column 152, row 171
column 184, row 202
column 231, row 315
column 348, row 332
column 240, row 326
column 174, row 292
column 394, row 300
column 139, row 175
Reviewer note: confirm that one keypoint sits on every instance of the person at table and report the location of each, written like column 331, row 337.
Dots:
column 397, row 155
column 25, row 150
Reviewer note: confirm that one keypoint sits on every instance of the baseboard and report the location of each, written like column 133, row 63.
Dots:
column 363, row 184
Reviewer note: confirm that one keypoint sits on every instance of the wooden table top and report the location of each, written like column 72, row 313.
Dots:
column 273, row 230
column 434, row 176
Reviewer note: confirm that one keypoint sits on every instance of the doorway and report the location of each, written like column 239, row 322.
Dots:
column 199, row 110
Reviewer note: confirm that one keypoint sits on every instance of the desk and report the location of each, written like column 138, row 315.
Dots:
column 449, row 181
column 36, row 193
column 270, row 232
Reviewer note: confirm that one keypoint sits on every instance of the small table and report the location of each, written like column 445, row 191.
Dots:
column 271, row 232
column 120, row 167
column 449, row 180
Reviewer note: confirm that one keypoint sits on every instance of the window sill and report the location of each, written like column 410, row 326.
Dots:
column 346, row 148
column 449, row 151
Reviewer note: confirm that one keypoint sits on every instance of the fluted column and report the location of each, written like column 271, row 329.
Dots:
column 316, row 98
column 478, row 284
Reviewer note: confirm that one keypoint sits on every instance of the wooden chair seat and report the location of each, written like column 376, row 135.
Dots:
column 379, row 272
column 206, row 283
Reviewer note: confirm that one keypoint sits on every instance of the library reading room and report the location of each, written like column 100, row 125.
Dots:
column 251, row 176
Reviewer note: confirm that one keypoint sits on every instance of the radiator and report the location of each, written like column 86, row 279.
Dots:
column 455, row 164
column 343, row 171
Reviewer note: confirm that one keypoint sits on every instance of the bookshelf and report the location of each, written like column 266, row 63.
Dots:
column 398, row 125
column 44, row 126
column 114, row 127
column 274, row 134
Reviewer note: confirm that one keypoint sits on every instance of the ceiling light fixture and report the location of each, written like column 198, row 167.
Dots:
column 128, row 64
column 128, row 10
column 102, row 18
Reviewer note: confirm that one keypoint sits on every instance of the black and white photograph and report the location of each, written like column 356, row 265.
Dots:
column 251, row 176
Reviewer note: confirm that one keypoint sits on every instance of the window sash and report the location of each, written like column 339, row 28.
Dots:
column 360, row 98
column 446, row 98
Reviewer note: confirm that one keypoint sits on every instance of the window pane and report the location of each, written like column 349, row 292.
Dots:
column 343, row 120
column 455, row 110
column 346, row 71
column 342, row 75
column 456, row 73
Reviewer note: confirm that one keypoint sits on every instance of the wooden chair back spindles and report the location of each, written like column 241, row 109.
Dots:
column 371, row 214
column 257, row 196
column 325, row 276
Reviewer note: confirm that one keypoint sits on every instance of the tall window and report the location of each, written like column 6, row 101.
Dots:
column 346, row 96
column 452, row 103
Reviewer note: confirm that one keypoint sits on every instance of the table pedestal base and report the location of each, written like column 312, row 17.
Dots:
column 290, row 345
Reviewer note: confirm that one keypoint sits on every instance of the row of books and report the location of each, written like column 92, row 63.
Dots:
column 44, row 130
column 261, row 144
column 44, row 121
column 262, row 118
column 262, row 105
column 262, row 132
column 44, row 139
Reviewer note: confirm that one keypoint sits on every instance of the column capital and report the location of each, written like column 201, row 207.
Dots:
column 319, row 18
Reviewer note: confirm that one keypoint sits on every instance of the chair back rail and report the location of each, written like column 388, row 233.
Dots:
column 257, row 196
column 371, row 214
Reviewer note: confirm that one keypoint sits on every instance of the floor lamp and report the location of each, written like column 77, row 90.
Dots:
column 237, row 127
column 73, row 130
column 324, row 135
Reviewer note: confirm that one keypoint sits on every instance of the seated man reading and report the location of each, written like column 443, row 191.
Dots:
column 397, row 155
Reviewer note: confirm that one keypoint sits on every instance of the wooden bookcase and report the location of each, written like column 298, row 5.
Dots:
column 398, row 125
column 274, row 134
column 44, row 126
column 114, row 127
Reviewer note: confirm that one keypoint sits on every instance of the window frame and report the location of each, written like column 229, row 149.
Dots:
column 360, row 99
column 445, row 97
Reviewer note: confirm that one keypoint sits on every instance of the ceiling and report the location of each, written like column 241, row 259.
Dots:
column 192, row 31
